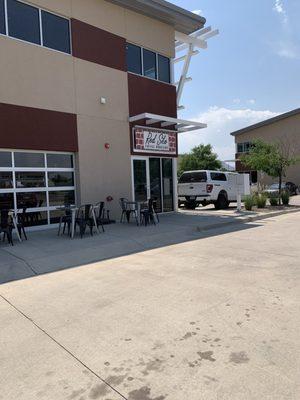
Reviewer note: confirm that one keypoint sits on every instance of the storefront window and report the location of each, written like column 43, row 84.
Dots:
column 31, row 200
column 61, row 198
column 30, row 179
column 6, row 201
column 56, row 179
column 5, row 159
column 59, row 161
column 29, row 160
column 35, row 185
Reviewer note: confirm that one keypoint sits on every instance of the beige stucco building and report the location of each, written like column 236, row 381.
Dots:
column 285, row 129
column 79, row 83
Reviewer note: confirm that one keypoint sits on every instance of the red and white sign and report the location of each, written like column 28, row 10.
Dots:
column 154, row 141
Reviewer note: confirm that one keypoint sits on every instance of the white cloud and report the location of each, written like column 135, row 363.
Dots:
column 198, row 12
column 279, row 8
column 251, row 101
column 288, row 49
column 237, row 101
column 221, row 122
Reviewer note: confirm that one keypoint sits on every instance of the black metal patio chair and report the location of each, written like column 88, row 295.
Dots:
column 65, row 220
column 84, row 219
column 128, row 208
column 22, row 218
column 148, row 213
column 6, row 226
column 99, row 214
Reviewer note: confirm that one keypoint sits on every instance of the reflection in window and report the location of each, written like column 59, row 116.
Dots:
column 6, row 180
column 149, row 58
column 30, row 179
column 59, row 161
column 167, row 175
column 29, row 160
column 56, row 32
column 61, row 198
column 23, row 21
column 163, row 69
column 2, row 17
column 5, row 159
column 134, row 60
column 60, row 179
column 6, row 201
column 31, row 200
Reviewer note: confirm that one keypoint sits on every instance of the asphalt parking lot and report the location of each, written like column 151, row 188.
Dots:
column 214, row 317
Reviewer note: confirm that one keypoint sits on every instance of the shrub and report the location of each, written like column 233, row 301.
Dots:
column 249, row 202
column 285, row 197
column 273, row 200
column 261, row 201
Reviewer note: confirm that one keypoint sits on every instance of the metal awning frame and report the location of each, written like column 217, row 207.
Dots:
column 191, row 44
column 181, row 125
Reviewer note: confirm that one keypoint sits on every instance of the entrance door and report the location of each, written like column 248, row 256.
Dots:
column 140, row 179
column 153, row 178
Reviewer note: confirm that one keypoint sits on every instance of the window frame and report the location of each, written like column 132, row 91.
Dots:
column 6, row 34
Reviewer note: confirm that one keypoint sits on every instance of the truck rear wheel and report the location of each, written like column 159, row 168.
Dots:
column 222, row 202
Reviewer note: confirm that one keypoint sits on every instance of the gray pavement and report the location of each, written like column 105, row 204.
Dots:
column 45, row 252
column 211, row 315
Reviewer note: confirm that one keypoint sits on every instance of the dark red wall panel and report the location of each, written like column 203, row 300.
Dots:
column 98, row 46
column 37, row 129
column 147, row 95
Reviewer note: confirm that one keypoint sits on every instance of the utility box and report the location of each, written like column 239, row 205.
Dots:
column 243, row 184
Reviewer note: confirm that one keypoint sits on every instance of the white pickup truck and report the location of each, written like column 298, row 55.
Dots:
column 207, row 187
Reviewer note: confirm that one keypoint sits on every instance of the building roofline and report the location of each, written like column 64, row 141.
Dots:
column 266, row 122
column 183, row 20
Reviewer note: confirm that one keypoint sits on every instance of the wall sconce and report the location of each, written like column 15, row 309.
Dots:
column 107, row 146
column 103, row 100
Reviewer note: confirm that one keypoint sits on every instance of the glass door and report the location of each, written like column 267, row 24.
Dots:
column 140, row 179
column 153, row 178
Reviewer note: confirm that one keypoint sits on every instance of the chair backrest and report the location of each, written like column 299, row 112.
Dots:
column 84, row 211
column 4, row 219
column 68, row 211
column 100, row 207
column 123, row 203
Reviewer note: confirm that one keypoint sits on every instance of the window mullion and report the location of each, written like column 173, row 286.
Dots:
column 6, row 17
column 41, row 28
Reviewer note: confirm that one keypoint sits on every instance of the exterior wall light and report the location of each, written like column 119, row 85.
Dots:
column 103, row 100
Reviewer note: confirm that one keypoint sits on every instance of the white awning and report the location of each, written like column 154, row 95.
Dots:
column 181, row 125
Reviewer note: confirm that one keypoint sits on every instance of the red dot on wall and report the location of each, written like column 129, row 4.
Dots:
column 107, row 146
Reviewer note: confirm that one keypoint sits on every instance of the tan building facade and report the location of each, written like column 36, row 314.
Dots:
column 283, row 129
column 73, row 73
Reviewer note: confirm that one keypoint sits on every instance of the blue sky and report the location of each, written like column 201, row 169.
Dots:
column 250, row 72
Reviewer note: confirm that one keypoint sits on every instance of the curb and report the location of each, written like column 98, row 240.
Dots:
column 246, row 220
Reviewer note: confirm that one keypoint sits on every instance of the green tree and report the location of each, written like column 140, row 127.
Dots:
column 271, row 158
column 201, row 157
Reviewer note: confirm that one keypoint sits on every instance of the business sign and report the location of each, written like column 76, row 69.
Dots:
column 154, row 141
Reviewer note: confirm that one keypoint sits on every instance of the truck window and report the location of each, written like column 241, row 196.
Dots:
column 193, row 177
column 218, row 176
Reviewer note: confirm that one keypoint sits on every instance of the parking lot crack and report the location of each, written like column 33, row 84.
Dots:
column 62, row 346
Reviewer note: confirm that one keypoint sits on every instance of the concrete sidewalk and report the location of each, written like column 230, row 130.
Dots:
column 45, row 252
column 212, row 318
